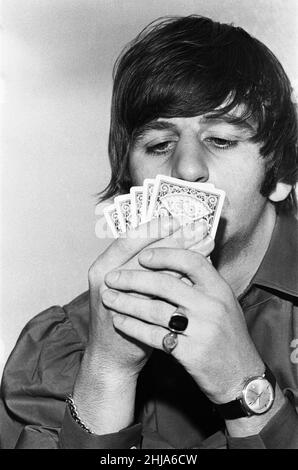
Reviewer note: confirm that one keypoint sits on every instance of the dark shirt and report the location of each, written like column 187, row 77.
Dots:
column 171, row 411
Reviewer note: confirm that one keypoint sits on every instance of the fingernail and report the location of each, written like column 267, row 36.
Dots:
column 109, row 295
column 208, row 239
column 202, row 224
column 203, row 246
column 191, row 230
column 112, row 277
column 146, row 256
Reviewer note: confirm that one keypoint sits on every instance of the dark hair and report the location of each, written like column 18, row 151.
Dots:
column 186, row 66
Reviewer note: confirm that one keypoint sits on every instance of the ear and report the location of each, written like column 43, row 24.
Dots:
column 281, row 192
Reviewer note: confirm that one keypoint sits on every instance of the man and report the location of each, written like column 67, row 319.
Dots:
column 203, row 102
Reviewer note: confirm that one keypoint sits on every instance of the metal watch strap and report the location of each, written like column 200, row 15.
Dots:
column 234, row 408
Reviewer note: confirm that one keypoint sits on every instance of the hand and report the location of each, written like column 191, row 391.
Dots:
column 216, row 348
column 104, row 390
column 108, row 350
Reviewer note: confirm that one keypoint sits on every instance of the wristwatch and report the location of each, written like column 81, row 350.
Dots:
column 256, row 398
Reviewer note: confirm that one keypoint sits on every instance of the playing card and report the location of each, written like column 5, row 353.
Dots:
column 185, row 207
column 186, row 200
column 123, row 206
column 148, row 186
column 136, row 193
column 111, row 216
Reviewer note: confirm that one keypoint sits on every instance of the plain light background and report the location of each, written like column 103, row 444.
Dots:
column 58, row 58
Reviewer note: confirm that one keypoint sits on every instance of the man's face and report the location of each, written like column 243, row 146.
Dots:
column 205, row 149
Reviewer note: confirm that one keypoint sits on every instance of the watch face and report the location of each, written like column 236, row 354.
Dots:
column 258, row 396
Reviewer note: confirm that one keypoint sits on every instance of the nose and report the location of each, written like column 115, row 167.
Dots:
column 189, row 161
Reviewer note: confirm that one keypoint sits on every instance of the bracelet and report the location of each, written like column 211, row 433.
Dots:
column 74, row 413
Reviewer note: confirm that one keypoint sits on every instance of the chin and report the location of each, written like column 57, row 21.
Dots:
column 227, row 240
column 221, row 233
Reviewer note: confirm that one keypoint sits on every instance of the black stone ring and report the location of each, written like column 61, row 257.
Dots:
column 178, row 323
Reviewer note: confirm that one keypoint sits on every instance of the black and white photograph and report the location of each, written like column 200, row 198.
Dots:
column 149, row 227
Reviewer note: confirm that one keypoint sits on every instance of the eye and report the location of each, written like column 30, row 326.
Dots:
column 161, row 148
column 221, row 144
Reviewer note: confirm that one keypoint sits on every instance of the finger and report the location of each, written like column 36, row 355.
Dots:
column 153, row 311
column 185, row 237
column 156, row 284
column 151, row 335
column 135, row 239
column 125, row 247
column 192, row 264
column 204, row 247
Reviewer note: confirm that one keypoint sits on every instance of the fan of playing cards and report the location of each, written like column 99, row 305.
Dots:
column 165, row 195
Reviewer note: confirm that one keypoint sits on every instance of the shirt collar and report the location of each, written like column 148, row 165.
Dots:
column 279, row 268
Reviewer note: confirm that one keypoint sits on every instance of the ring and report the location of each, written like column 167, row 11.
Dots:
column 178, row 323
column 170, row 342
